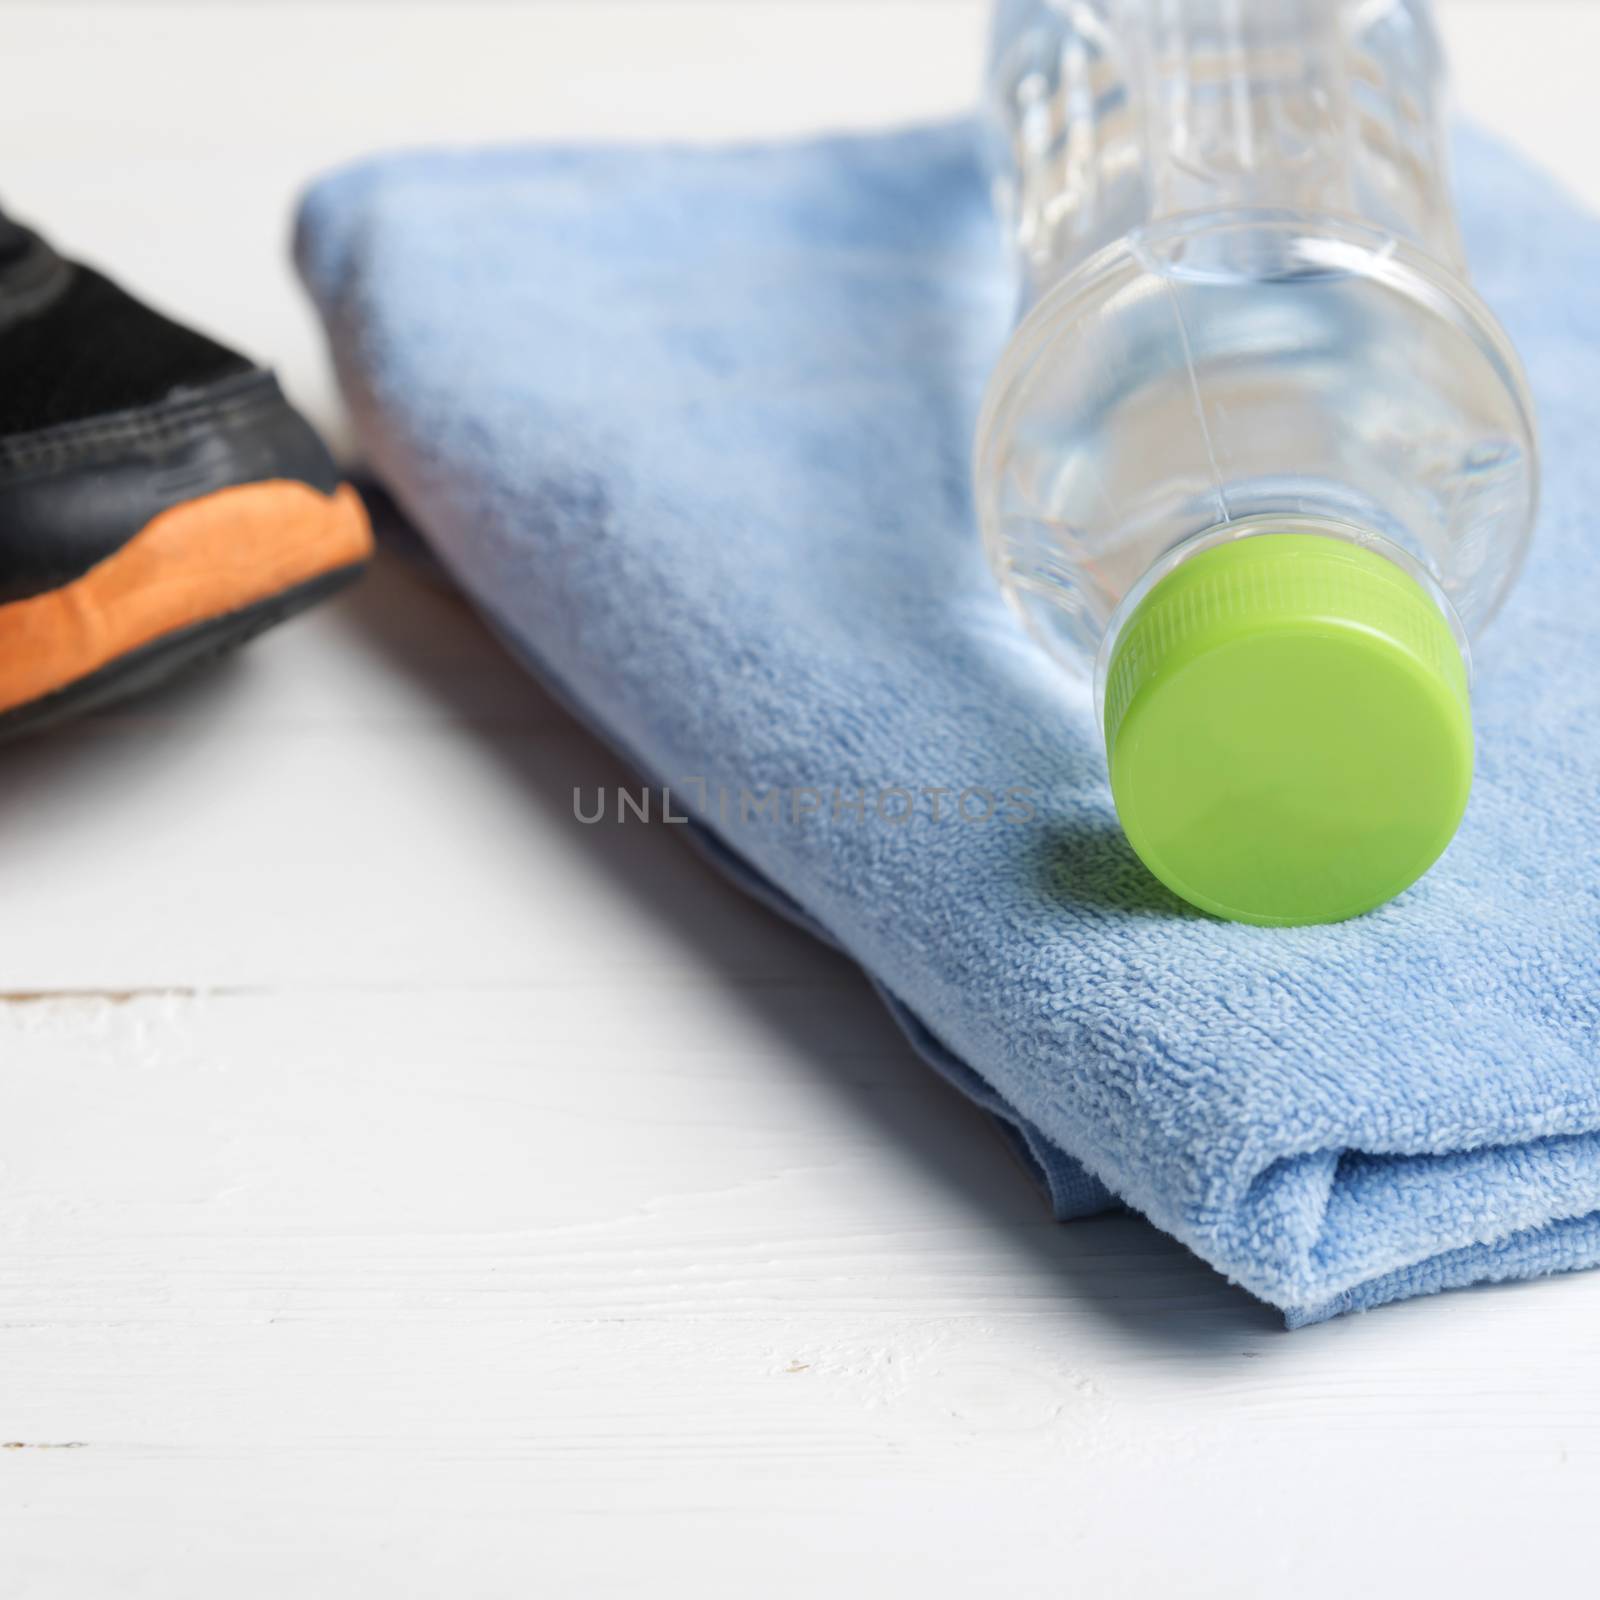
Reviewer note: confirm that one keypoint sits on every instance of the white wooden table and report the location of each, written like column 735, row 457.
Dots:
column 407, row 1191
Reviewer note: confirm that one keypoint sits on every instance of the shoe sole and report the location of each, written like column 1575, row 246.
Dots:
column 198, row 579
column 171, row 656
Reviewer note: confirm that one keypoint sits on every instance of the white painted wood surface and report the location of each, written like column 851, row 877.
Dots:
column 406, row 1191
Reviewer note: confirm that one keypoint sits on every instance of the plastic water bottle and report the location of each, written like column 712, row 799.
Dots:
column 1256, row 457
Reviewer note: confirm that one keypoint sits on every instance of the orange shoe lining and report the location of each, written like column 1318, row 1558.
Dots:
column 195, row 561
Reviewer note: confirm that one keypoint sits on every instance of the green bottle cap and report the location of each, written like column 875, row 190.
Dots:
column 1288, row 729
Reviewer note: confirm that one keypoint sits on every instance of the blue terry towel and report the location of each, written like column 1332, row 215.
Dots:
column 692, row 427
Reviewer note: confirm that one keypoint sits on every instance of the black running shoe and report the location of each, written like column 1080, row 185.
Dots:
column 160, row 500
